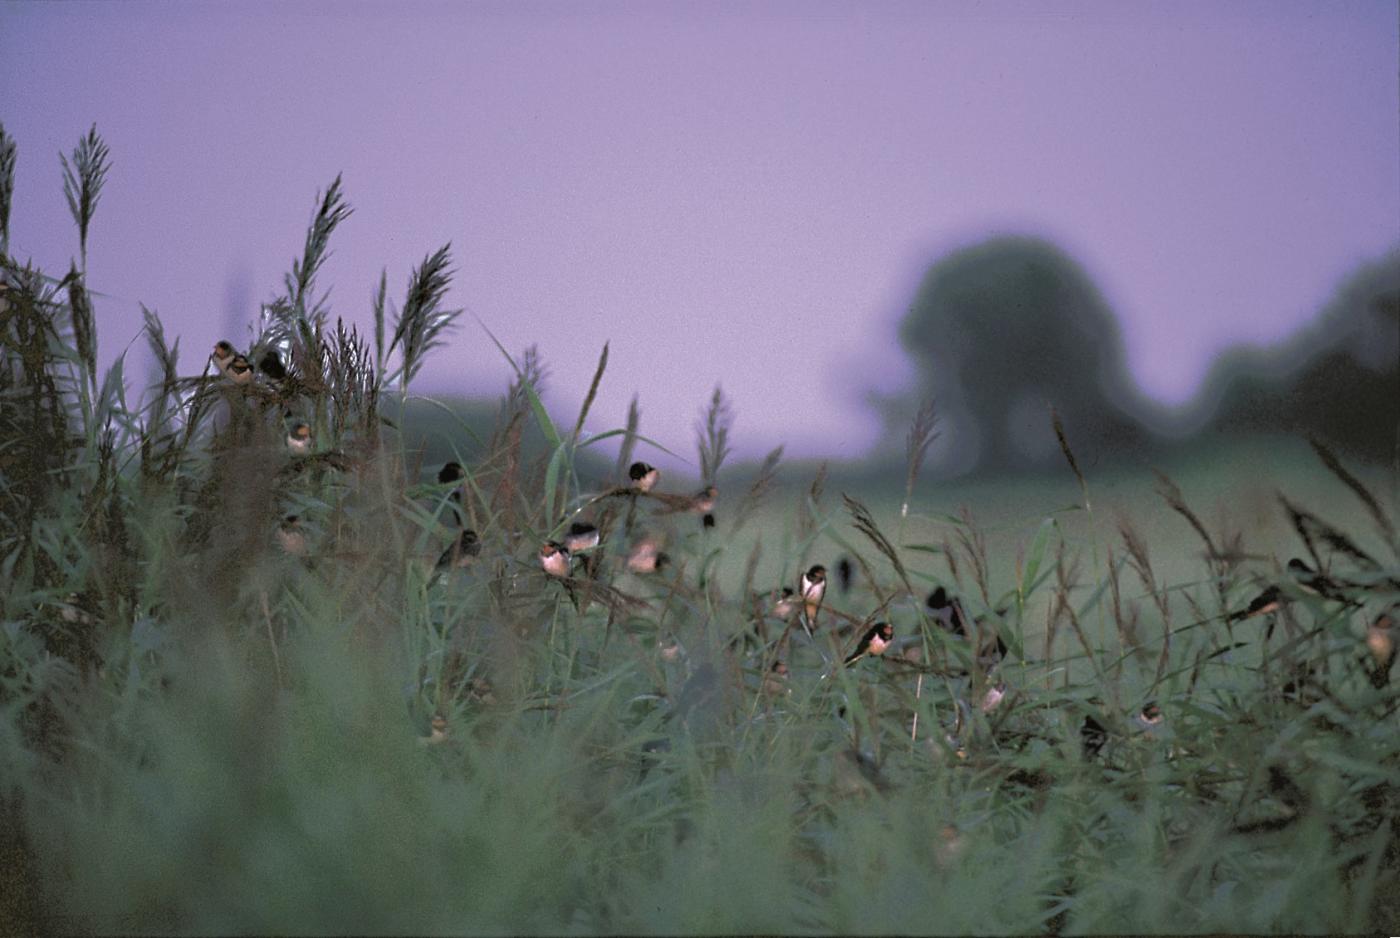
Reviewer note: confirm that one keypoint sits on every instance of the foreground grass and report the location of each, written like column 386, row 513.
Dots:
column 209, row 728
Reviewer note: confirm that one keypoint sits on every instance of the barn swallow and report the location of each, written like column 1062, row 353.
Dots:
column 291, row 537
column 450, row 472
column 223, row 355
column 299, row 439
column 994, row 695
column 239, row 370
column 813, row 589
column 271, row 365
column 1315, row 582
column 873, row 642
column 1092, row 735
column 947, row 611
column 643, row 476
column 704, row 501
column 1149, row 715
column 775, row 681
column 646, row 556
column 1380, row 642
column 460, row 552
column 784, row 605
column 554, row 558
column 1271, row 600
column 437, row 731
column 580, row 537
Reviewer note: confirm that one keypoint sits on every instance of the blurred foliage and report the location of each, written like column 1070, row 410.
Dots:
column 1003, row 330
column 1336, row 379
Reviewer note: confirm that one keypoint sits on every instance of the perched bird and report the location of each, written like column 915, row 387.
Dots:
column 299, row 441
column 1271, row 600
column 1092, row 735
column 704, row 500
column 291, row 537
column 1314, row 582
column 1273, row 597
column 223, row 356
column 437, row 731
column 581, row 536
column 948, row 611
column 873, row 642
column 812, row 590
column 239, row 371
column 1149, row 715
column 461, row 551
column 451, row 473
column 775, row 681
column 554, row 558
column 1380, row 642
column 643, row 476
column 784, row 605
column 994, row 695
column 271, row 365
column 646, row 556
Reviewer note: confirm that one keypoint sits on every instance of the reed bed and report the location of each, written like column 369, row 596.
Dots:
column 247, row 686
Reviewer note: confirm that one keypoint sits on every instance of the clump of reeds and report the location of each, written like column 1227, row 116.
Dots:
column 216, row 649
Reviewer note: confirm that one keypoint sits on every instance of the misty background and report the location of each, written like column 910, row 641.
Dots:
column 1177, row 223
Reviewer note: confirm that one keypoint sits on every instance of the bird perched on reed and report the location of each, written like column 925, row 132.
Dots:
column 581, row 536
column 464, row 548
column 1269, row 601
column 270, row 364
column 643, row 477
column 554, row 559
column 223, row 356
column 947, row 611
column 873, row 642
column 812, row 589
column 1380, row 642
column 646, row 556
column 291, row 537
column 299, row 442
column 239, row 371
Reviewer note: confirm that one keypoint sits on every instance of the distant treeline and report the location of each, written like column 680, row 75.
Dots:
column 1002, row 330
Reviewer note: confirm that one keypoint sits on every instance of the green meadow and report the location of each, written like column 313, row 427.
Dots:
column 217, row 719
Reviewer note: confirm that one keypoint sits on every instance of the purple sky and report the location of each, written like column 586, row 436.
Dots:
column 735, row 193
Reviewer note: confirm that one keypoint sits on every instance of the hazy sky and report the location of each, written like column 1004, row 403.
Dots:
column 735, row 193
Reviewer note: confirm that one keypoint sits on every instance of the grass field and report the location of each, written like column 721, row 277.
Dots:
column 217, row 720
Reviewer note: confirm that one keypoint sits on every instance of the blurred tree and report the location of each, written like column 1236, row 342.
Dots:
column 1338, row 378
column 1001, row 330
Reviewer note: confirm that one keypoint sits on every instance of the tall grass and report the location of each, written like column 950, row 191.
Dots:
column 240, row 693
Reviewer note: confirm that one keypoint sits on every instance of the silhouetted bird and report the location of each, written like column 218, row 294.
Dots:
column 1092, row 735
column 844, row 574
column 271, row 365
column 1266, row 602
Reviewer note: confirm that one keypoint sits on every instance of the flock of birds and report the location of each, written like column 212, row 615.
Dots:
column 800, row 605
